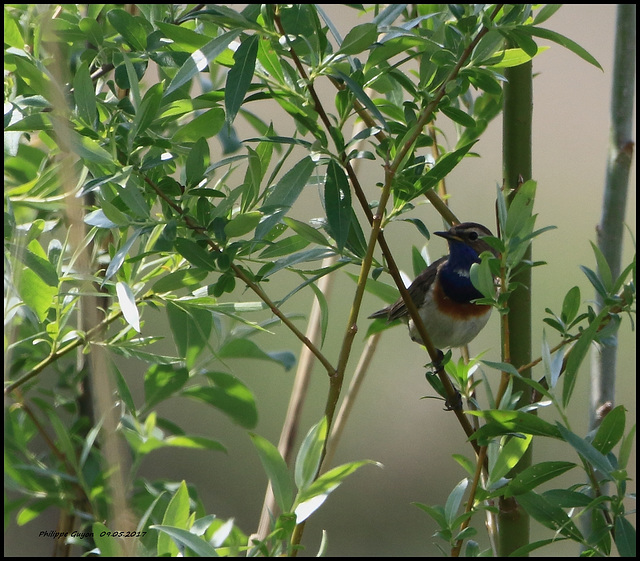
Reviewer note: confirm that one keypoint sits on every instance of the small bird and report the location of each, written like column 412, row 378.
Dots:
column 443, row 291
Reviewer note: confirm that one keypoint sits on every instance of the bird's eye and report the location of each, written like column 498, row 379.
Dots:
column 473, row 236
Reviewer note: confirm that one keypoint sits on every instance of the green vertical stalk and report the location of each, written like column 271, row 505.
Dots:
column 610, row 230
column 513, row 521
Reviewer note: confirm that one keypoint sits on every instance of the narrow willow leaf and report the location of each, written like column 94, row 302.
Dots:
column 245, row 348
column 107, row 546
column 443, row 166
column 121, row 255
column 513, row 422
column 509, row 455
column 199, row 60
column 625, row 537
column 359, row 38
column 309, row 500
column 577, row 354
column 337, row 200
column 161, row 381
column 240, row 75
column 535, row 475
column 195, row 254
column 229, row 395
column 549, row 515
column 287, row 190
column 561, row 40
column 309, row 455
column 127, row 301
column 84, row 95
column 571, row 305
column 610, row 431
column 242, row 224
column 306, row 231
column 454, row 499
column 276, row 470
column 185, row 539
column 147, row 112
column 191, row 328
column 587, row 451
column 206, row 125
column 363, row 98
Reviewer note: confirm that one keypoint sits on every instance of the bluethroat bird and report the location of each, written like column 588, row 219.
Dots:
column 443, row 291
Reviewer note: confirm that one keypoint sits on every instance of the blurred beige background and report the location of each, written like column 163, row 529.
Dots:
column 371, row 513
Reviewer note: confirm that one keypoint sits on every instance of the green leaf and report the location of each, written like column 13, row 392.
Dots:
column 510, row 454
column 92, row 29
column 197, row 162
column 199, row 60
column 195, row 254
column 536, row 474
column 604, row 271
column 276, row 470
column 610, row 431
column 520, row 210
column 245, row 348
column 12, row 35
column 454, row 499
column 363, row 98
column 561, row 40
column 240, row 75
column 306, row 231
column 129, row 27
column 482, row 278
column 194, row 442
column 185, row 539
column 161, row 381
column 596, row 458
column 36, row 293
column 359, row 38
column 203, row 126
column 84, row 95
column 285, row 246
column 177, row 516
column 459, row 116
column 310, row 454
column 337, row 200
column 183, row 278
column 191, row 327
column 121, row 254
column 35, row 259
column 147, row 111
column 242, row 224
column 305, row 256
column 571, row 305
column 577, row 354
column 625, row 448
column 513, row 422
column 123, row 391
column 443, row 166
column 104, row 542
column 127, row 301
column 229, row 395
column 133, row 79
column 549, row 515
column 182, row 37
column 310, row 499
column 625, row 537
column 287, row 190
column 83, row 146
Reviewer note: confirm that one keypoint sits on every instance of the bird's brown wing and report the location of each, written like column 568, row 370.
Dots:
column 418, row 289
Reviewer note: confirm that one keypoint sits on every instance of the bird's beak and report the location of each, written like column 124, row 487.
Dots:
column 449, row 236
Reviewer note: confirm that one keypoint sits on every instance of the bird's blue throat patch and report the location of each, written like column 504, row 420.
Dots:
column 456, row 286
